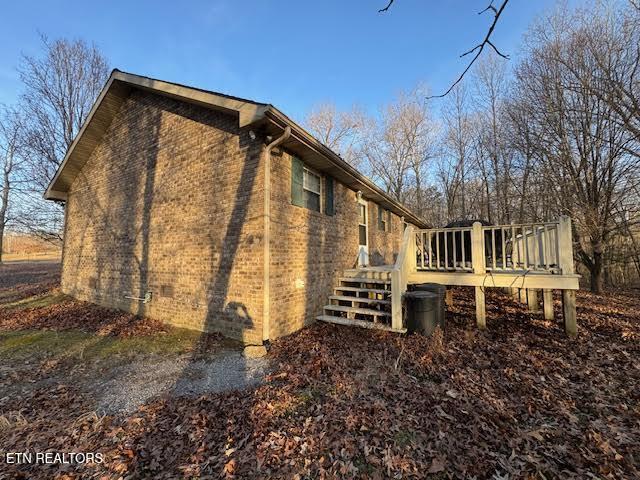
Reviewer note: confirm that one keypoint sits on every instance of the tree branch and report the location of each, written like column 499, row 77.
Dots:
column 387, row 7
column 480, row 47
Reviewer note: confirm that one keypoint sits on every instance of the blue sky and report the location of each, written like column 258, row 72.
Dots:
column 293, row 54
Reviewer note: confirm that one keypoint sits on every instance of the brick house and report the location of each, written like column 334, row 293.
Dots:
column 213, row 212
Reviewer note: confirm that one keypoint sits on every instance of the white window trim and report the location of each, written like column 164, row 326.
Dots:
column 305, row 169
column 315, row 174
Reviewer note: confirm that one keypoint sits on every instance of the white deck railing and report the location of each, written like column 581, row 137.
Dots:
column 444, row 249
column 530, row 247
column 498, row 256
column 527, row 257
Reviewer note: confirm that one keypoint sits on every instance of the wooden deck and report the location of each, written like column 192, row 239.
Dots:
column 526, row 259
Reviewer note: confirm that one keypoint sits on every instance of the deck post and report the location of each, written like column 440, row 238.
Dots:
column 569, row 309
column 565, row 247
column 448, row 297
column 532, row 300
column 565, row 253
column 477, row 257
column 405, row 264
column 522, row 293
column 412, row 249
column 481, row 309
column 547, row 300
column 515, row 294
column 396, row 300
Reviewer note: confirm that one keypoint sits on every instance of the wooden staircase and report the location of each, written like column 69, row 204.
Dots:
column 362, row 299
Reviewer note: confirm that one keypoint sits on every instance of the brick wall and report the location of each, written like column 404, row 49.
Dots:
column 171, row 201
column 310, row 250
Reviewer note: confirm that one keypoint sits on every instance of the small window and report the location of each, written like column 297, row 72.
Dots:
column 384, row 219
column 311, row 184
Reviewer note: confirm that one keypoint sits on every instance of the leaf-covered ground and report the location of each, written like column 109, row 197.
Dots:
column 519, row 400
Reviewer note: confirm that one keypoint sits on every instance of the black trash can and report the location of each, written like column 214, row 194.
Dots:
column 422, row 311
column 439, row 290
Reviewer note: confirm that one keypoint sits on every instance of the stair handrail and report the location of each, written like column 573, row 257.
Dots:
column 405, row 263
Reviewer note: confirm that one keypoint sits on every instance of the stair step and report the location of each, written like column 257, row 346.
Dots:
column 365, row 280
column 346, row 298
column 360, row 290
column 362, row 311
column 356, row 273
column 359, row 323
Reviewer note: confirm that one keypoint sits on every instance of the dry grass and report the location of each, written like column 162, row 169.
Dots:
column 52, row 256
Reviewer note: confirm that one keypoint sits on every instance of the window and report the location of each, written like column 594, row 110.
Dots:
column 311, row 185
column 311, row 190
column 384, row 219
column 362, row 224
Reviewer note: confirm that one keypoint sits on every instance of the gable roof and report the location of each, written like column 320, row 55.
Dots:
column 249, row 113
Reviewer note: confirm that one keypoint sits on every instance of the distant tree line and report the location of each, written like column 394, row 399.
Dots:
column 557, row 132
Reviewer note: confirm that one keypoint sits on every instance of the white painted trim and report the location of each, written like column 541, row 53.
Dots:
column 514, row 280
column 363, row 250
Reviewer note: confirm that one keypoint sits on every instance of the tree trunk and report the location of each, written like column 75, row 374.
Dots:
column 4, row 204
column 1, row 238
column 596, row 272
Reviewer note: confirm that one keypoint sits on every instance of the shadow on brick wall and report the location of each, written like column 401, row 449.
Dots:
column 222, row 312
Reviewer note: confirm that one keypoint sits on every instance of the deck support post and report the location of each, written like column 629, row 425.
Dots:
column 569, row 310
column 532, row 300
column 515, row 294
column 547, row 301
column 477, row 259
column 396, row 299
column 448, row 297
column 522, row 292
column 565, row 251
column 481, row 309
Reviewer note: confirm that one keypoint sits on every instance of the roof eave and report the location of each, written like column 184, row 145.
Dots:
column 248, row 113
column 365, row 184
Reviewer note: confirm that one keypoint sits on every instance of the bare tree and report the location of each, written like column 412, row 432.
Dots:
column 584, row 147
column 611, row 46
column 60, row 89
column 397, row 145
column 490, row 92
column 454, row 166
column 61, row 86
column 523, row 152
column 11, row 163
column 341, row 131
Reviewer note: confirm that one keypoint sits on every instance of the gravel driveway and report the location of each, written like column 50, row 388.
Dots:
column 126, row 387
